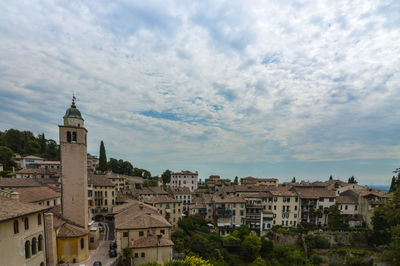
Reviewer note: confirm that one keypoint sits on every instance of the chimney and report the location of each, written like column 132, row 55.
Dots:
column 14, row 195
column 50, row 239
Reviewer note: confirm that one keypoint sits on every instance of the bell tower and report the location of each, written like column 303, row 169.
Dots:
column 74, row 183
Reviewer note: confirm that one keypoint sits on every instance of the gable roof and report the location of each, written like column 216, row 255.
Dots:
column 161, row 199
column 13, row 208
column 35, row 194
column 19, row 182
column 99, row 181
column 137, row 215
column 70, row 230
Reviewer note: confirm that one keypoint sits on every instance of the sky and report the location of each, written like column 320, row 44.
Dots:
column 234, row 88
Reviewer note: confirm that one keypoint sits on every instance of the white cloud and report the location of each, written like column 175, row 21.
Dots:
column 243, row 82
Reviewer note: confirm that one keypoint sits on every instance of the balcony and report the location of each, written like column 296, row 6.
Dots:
column 224, row 213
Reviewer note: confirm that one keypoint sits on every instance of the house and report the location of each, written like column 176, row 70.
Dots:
column 285, row 206
column 28, row 161
column 170, row 208
column 22, row 230
column 118, row 180
column 92, row 163
column 315, row 201
column 37, row 173
column 184, row 179
column 229, row 213
column 182, row 194
column 47, row 164
column 140, row 227
column 101, row 195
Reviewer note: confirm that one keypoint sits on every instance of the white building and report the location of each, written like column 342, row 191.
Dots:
column 184, row 179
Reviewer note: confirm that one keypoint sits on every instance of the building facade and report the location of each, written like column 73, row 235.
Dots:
column 184, row 179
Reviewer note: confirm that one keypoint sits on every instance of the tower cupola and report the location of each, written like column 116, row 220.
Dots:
column 73, row 116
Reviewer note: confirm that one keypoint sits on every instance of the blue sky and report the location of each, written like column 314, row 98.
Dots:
column 248, row 88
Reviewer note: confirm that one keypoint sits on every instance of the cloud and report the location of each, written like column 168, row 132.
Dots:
column 175, row 83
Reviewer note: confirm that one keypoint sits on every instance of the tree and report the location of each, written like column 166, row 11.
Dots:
column 103, row 158
column 352, row 180
column 294, row 180
column 258, row 262
column 267, row 248
column 42, row 142
column 166, row 176
column 250, row 248
column 236, row 182
column 335, row 218
column 6, row 159
column 241, row 232
column 331, row 177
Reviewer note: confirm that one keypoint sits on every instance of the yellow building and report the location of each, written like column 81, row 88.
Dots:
column 168, row 207
column 285, row 206
column 22, row 232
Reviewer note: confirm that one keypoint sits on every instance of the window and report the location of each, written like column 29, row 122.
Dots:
column 16, row 227
column 274, row 207
column 26, row 223
column 105, row 193
column 39, row 219
column 40, row 243
column 92, row 240
column 48, row 203
column 162, row 232
column 331, row 199
column 82, row 243
column 34, row 246
column 125, row 234
column 241, row 212
column 74, row 137
column 355, row 207
column 105, row 202
column 295, row 215
column 345, row 207
column 136, row 255
column 142, row 255
column 27, row 250
column 141, row 233
column 68, row 136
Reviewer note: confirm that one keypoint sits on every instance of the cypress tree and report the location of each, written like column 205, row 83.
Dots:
column 393, row 184
column 102, row 158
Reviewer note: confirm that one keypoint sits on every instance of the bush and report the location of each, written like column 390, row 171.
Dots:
column 352, row 261
column 258, row 262
column 316, row 241
column 315, row 259
column 334, row 263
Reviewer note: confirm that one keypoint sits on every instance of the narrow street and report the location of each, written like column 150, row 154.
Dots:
column 101, row 253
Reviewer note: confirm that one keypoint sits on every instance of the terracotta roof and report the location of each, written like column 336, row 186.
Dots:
column 200, row 190
column 228, row 199
column 346, row 200
column 161, row 199
column 32, row 157
column 112, row 175
column 99, row 181
column 152, row 191
column 314, row 192
column 35, row 194
column 257, row 195
column 69, row 230
column 138, row 215
column 19, row 182
column 135, row 179
column 12, row 208
column 47, row 162
column 39, row 171
column 179, row 190
column 151, row 241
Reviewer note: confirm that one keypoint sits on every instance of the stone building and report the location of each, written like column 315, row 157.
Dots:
column 253, row 181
